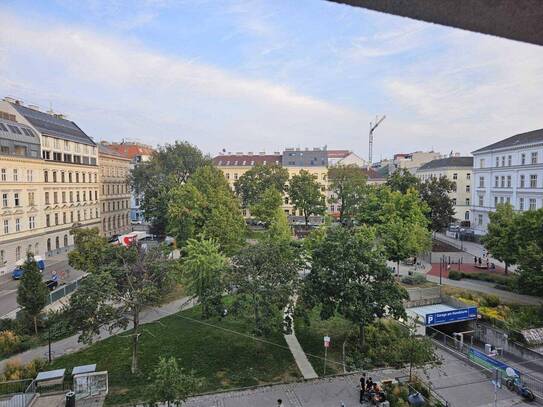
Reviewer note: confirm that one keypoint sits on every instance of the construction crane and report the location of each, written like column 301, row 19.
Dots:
column 373, row 126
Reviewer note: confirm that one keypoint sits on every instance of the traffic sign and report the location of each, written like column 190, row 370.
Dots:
column 326, row 341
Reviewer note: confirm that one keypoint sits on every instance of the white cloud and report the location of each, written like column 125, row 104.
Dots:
column 116, row 89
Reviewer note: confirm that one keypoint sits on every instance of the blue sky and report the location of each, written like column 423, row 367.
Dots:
column 254, row 75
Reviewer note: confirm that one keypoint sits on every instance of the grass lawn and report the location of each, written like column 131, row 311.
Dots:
column 223, row 360
column 312, row 340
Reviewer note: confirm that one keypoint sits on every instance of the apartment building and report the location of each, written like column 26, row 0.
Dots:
column 508, row 171
column 345, row 157
column 137, row 153
column 459, row 171
column 114, row 169
column 60, row 188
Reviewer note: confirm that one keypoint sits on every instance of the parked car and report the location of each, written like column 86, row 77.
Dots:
column 51, row 284
column 17, row 273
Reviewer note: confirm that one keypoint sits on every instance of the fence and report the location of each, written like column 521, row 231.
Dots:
column 17, row 393
column 52, row 297
column 533, row 383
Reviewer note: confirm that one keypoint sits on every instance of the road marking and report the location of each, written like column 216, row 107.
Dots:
column 3, row 293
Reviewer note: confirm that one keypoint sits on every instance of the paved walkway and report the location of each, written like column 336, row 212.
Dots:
column 71, row 344
column 306, row 369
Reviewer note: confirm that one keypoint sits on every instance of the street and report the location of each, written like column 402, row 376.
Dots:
column 8, row 286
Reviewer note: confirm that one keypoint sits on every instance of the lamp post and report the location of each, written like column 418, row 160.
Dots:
column 46, row 319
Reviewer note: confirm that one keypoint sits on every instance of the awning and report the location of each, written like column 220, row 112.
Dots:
column 439, row 314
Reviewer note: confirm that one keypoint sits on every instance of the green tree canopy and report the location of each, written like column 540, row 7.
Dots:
column 265, row 276
column 32, row 291
column 170, row 384
column 349, row 277
column 252, row 184
column 206, row 206
column 171, row 166
column 279, row 227
column 117, row 290
column 435, row 192
column 265, row 208
column 402, row 181
column 203, row 268
column 92, row 251
column 529, row 227
column 501, row 239
column 306, row 196
column 347, row 185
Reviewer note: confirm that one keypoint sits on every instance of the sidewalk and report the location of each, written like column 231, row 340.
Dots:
column 71, row 344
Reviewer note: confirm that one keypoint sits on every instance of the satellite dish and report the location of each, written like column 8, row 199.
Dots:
column 510, row 372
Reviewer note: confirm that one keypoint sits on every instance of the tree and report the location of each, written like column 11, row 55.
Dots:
column 435, row 192
column 402, row 181
column 305, row 194
column 170, row 166
column 265, row 209
column 279, row 228
column 501, row 239
column 32, row 292
column 530, row 254
column 206, row 206
column 349, row 277
column 347, row 187
column 252, row 184
column 265, row 277
column 118, row 289
column 170, row 384
column 203, row 269
column 92, row 250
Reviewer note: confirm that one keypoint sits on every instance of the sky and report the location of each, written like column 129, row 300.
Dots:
column 262, row 75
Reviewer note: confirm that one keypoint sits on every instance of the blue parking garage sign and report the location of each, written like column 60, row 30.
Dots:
column 444, row 317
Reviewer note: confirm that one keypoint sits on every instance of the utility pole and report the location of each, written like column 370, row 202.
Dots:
column 373, row 126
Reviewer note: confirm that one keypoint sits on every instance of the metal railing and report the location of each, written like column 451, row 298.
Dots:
column 533, row 383
column 17, row 393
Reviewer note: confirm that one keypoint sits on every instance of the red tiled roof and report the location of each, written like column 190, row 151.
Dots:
column 338, row 153
column 247, row 160
column 131, row 150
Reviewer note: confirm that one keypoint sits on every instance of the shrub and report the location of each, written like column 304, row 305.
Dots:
column 455, row 275
column 14, row 370
column 419, row 278
column 408, row 280
column 10, row 342
column 490, row 301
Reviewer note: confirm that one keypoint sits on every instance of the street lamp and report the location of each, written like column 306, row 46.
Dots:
column 46, row 319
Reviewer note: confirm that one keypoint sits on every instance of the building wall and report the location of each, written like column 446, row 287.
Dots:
column 461, row 176
column 417, row 159
column 115, row 194
column 506, row 176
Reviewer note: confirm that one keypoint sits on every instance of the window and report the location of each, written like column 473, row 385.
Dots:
column 468, row 188
column 14, row 129
column 481, row 200
column 18, row 253
column 497, row 161
column 501, row 199
column 65, row 240
column 31, row 222
column 533, row 181
column 532, row 204
column 454, row 201
column 2, row 256
column 16, row 199
column 534, row 157
column 468, row 175
column 522, row 181
column 227, row 175
column 48, row 245
column 523, row 159
column 6, row 226
column 47, row 220
column 46, row 155
column 55, row 197
column 64, row 217
column 496, row 181
column 508, row 200
column 47, row 198
column 4, row 175
column 467, row 201
column 503, row 181
column 17, row 224
column 29, row 175
column 62, row 177
column 5, row 200
column 503, row 161
column 495, row 201
column 71, row 196
column 83, row 175
column 77, row 196
column 455, row 176
column 77, row 177
column 31, row 200
column 509, row 181
column 15, row 175
column 63, row 197
column 509, row 160
column 480, row 220
column 235, row 176
column 69, row 177
column 56, row 219
column 481, row 182
column 46, row 176
column 521, row 204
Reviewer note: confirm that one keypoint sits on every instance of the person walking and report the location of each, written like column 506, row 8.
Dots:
column 280, row 403
column 362, row 387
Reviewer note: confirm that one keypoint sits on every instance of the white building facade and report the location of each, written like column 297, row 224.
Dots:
column 509, row 171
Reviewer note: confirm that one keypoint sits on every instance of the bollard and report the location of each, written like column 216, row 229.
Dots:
column 70, row 399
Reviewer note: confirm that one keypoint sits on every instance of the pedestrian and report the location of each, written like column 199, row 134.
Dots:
column 280, row 403
column 362, row 387
column 369, row 384
column 474, row 259
column 480, row 261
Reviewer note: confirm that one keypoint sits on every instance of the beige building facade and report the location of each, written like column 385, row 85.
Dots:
column 459, row 170
column 50, row 187
column 114, row 170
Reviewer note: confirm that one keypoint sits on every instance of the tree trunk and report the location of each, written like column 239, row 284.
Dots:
column 135, row 340
column 506, row 267
column 306, row 217
column 35, row 324
column 362, row 336
column 398, row 269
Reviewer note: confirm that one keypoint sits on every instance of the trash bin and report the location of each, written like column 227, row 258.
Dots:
column 416, row 399
column 70, row 399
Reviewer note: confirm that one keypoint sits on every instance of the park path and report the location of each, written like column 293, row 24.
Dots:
column 306, row 369
column 69, row 345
